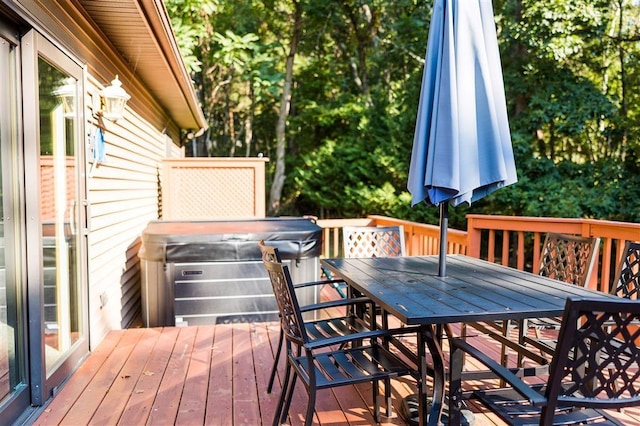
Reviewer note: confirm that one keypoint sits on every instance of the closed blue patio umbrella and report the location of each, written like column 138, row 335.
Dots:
column 462, row 145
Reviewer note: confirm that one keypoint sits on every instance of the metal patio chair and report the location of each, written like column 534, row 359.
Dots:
column 567, row 258
column 360, row 357
column 317, row 328
column 369, row 241
column 626, row 285
column 627, row 277
column 372, row 241
column 564, row 257
column 586, row 373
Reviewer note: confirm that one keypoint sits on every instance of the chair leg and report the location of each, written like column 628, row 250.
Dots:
column 287, row 405
column 504, row 356
column 387, row 397
column 522, row 332
column 275, row 361
column 615, row 387
column 539, row 337
column 311, row 407
column 280, row 412
column 376, row 406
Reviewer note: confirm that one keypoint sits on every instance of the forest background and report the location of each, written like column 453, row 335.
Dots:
column 329, row 91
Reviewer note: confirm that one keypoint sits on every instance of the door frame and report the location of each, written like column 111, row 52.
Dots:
column 34, row 45
column 12, row 169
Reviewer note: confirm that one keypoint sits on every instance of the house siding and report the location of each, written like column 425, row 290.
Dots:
column 123, row 195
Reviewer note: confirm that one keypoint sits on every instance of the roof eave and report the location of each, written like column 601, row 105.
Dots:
column 141, row 32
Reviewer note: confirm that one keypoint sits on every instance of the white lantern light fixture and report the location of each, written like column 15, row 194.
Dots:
column 67, row 94
column 114, row 99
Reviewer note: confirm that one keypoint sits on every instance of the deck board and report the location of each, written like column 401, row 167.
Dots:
column 167, row 402
column 138, row 407
column 220, row 395
column 211, row 375
column 192, row 410
column 111, row 407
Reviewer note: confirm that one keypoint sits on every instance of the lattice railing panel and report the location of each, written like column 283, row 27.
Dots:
column 215, row 189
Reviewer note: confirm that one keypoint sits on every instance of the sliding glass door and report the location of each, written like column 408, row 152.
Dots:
column 14, row 395
column 43, row 232
column 55, row 228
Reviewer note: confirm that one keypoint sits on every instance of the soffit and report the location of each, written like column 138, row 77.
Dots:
column 141, row 32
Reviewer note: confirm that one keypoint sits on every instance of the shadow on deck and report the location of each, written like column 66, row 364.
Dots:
column 208, row 375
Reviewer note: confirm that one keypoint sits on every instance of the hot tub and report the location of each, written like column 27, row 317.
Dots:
column 206, row 272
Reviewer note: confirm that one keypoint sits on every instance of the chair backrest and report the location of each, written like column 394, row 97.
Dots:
column 269, row 253
column 372, row 241
column 568, row 258
column 288, row 306
column 596, row 364
column 627, row 277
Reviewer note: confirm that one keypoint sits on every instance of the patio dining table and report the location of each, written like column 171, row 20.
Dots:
column 410, row 289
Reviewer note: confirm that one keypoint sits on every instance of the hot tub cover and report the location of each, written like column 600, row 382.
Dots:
column 229, row 240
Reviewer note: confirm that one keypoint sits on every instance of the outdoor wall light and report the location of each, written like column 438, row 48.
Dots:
column 113, row 100
column 67, row 94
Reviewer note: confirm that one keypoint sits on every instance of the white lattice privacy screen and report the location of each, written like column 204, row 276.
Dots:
column 213, row 188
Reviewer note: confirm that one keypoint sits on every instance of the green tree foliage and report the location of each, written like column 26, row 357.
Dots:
column 571, row 77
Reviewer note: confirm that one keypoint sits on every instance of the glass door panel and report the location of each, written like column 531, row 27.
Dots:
column 12, row 349
column 58, row 201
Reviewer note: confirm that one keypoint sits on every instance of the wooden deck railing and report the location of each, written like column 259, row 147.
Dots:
column 421, row 239
column 507, row 240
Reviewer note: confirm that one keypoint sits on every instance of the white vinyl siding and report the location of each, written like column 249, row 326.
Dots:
column 123, row 198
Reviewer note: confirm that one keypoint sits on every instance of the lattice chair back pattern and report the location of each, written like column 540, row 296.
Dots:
column 290, row 314
column 587, row 369
column 627, row 284
column 568, row 258
column 595, row 366
column 372, row 241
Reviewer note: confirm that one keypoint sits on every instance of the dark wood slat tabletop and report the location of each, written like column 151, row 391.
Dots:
column 473, row 290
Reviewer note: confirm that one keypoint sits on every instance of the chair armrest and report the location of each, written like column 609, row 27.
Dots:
column 373, row 334
column 336, row 304
column 315, row 283
column 502, row 372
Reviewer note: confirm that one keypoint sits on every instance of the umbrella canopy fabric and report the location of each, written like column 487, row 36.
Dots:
column 462, row 144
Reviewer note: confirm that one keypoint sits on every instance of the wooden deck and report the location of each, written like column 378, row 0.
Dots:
column 207, row 375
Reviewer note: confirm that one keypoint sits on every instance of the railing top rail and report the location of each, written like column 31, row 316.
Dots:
column 383, row 220
column 587, row 227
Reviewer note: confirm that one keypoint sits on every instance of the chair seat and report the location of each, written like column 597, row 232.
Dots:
column 334, row 327
column 512, row 408
column 353, row 365
column 509, row 405
column 544, row 323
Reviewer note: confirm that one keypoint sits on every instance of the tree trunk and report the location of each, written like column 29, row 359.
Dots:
column 623, row 81
column 280, row 173
column 248, row 121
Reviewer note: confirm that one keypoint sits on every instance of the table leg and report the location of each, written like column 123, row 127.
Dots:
column 455, row 387
column 429, row 339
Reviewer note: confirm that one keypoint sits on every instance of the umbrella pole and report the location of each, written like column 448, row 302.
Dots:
column 444, row 225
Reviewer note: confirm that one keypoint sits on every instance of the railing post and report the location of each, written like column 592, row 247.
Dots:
column 473, row 238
